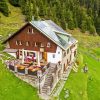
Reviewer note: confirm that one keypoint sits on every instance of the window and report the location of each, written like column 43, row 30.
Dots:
column 35, row 44
column 20, row 42
column 59, row 52
column 53, row 55
column 48, row 44
column 32, row 31
column 29, row 30
column 17, row 42
column 27, row 43
column 42, row 45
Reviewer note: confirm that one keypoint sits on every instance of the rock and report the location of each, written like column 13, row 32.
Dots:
column 67, row 91
column 66, row 96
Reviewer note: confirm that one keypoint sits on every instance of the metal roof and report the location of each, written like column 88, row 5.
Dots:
column 55, row 33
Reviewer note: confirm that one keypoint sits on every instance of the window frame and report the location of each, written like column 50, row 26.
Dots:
column 58, row 52
column 17, row 42
column 42, row 44
column 29, row 30
column 53, row 55
column 27, row 43
column 32, row 31
column 35, row 44
column 48, row 45
column 20, row 42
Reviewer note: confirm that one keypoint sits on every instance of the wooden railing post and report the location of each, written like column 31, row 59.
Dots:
column 15, row 69
column 39, row 74
column 26, row 71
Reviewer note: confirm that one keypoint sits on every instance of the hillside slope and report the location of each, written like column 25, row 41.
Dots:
column 10, row 24
column 84, row 14
column 12, row 88
column 82, row 86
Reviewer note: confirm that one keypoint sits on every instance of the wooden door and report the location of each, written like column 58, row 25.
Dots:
column 45, row 56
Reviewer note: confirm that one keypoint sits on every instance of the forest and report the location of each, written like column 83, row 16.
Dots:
column 69, row 14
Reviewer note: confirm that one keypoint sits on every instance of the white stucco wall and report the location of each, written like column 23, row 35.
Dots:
column 58, row 56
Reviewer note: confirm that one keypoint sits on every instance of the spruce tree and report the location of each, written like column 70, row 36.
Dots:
column 15, row 2
column 4, row 7
column 92, row 29
column 84, row 26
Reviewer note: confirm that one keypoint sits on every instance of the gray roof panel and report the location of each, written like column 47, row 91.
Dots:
column 54, row 32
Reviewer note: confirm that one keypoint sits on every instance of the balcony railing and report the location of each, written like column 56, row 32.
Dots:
column 27, row 68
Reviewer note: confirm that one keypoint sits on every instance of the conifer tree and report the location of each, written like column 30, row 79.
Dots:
column 15, row 2
column 4, row 8
column 84, row 14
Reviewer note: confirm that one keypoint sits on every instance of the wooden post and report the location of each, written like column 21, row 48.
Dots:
column 22, row 56
column 15, row 68
column 38, row 56
column 26, row 70
column 39, row 73
column 19, row 53
column 25, row 52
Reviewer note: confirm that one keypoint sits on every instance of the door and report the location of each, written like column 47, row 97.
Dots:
column 45, row 56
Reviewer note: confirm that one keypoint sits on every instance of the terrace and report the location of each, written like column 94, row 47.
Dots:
column 28, row 67
column 28, row 62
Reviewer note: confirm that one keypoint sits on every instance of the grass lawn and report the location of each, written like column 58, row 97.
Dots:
column 12, row 88
column 85, row 86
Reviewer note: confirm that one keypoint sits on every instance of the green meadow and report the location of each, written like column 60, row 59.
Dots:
column 81, row 86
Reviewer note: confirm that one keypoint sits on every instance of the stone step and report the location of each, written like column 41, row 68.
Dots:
column 48, row 79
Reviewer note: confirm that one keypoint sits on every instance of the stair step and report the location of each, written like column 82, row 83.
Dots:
column 48, row 79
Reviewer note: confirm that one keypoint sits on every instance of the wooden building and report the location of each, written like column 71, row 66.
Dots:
column 44, row 41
